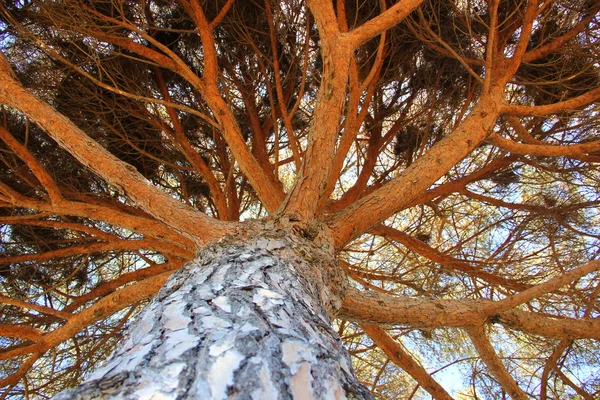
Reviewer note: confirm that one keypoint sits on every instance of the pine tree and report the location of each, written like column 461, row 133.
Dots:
column 323, row 199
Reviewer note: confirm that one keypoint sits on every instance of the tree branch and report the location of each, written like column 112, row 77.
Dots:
column 379, row 308
column 23, row 369
column 35, row 307
column 311, row 182
column 34, row 165
column 445, row 261
column 404, row 360
column 544, row 149
column 493, row 362
column 91, row 248
column 372, row 209
column 103, row 308
column 547, row 287
column 21, row 332
column 384, row 21
column 557, row 42
column 571, row 104
column 262, row 182
column 114, row 216
column 111, row 286
column 183, row 219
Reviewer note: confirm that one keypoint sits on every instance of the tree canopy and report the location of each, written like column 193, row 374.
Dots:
column 450, row 148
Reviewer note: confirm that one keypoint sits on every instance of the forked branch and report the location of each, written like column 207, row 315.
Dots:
column 183, row 219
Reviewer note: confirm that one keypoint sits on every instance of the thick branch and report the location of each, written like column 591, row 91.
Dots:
column 382, row 22
column 371, row 210
column 493, row 362
column 401, row 358
column 183, row 219
column 571, row 104
column 380, row 308
column 556, row 328
column 20, row 331
column 312, row 179
column 262, row 181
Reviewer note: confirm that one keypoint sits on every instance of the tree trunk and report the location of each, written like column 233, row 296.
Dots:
column 247, row 319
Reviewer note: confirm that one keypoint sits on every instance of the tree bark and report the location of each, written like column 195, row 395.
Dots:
column 249, row 318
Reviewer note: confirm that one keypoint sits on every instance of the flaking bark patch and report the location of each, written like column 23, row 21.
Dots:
column 247, row 319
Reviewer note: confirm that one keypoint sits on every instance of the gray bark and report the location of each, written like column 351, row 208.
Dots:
column 247, row 319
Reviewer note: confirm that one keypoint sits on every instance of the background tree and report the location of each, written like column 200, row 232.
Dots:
column 449, row 148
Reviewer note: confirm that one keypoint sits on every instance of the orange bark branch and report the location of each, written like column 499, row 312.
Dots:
column 404, row 360
column 217, row 20
column 544, row 149
column 493, row 362
column 100, row 234
column 34, row 165
column 314, row 175
column 285, row 115
column 379, row 308
column 490, row 46
column 114, row 284
column 14, row 378
column 563, row 328
column 372, row 209
column 557, row 42
column 113, row 215
column 183, row 219
column 354, row 118
column 262, row 182
column 571, row 104
column 547, row 287
column 551, row 364
column 525, row 34
column 35, row 307
column 382, row 22
column 20, row 331
column 91, row 248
